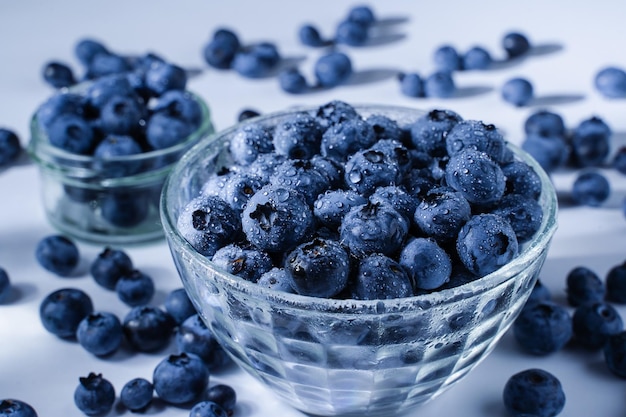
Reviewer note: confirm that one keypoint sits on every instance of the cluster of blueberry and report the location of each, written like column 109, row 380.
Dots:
column 69, row 314
column 328, row 203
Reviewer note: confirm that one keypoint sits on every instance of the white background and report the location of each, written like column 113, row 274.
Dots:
column 573, row 40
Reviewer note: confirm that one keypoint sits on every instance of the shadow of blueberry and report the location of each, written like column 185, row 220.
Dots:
column 371, row 76
column 545, row 49
column 194, row 72
column 472, row 91
column 390, row 21
column 555, row 99
column 535, row 51
column 384, row 39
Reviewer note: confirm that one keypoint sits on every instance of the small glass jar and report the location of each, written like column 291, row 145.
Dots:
column 83, row 200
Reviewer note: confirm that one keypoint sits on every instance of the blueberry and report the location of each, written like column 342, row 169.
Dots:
column 135, row 288
column 584, row 286
column 385, row 128
column 330, row 169
column 368, row 169
column 86, row 49
column 476, row 58
column 331, row 206
column 125, row 208
column 121, row 115
column 319, row 268
column 447, row 58
column 476, row 176
column 397, row 197
column 362, row 14
column 276, row 219
column 57, row 254
column 292, row 81
column 614, row 352
column 10, row 147
column 515, row 44
column 248, row 142
column 207, row 409
column 178, row 305
column 351, row 33
column 379, row 277
column 164, row 76
column 373, row 228
column 100, row 333
column 309, row 35
column 335, row 111
column 147, row 329
column 194, row 337
column 58, row 74
column 610, row 82
column 521, row 179
column 298, row 136
column 523, row 213
column 164, row 131
column 533, row 392
column 57, row 104
column 276, row 279
column 256, row 60
column 301, row 176
column 109, row 266
column 239, row 187
column 477, row 135
column 485, row 243
column 517, row 91
column 594, row 322
column 619, row 160
column 5, row 286
column 105, row 64
column 137, row 394
column 616, row 284
column 72, row 133
column 180, row 379
column 539, row 294
column 94, row 395
column 332, row 69
column 411, row 84
column 428, row 265
column 16, row 408
column 429, row 131
column 591, row 188
column 179, row 104
column 208, row 223
column 220, row 51
column 441, row 213
column 544, row 123
column 246, row 114
column 343, row 139
column 100, row 91
column 439, row 84
column 110, row 149
column 591, row 142
column 551, row 152
column 224, row 395
column 543, row 328
column 248, row 263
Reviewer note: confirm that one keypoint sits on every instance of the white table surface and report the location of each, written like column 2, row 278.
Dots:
column 574, row 39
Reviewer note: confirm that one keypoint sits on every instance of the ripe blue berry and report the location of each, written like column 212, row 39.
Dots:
column 616, row 284
column 543, row 328
column 439, row 84
column 164, row 76
column 62, row 310
column 370, row 168
column 523, row 213
column 256, row 60
column 6, row 289
column 615, row 353
column 428, row 132
column 397, row 197
column 248, row 263
column 223, row 395
column 16, row 408
column 584, row 286
column 71, row 133
column 249, row 142
column 147, row 329
column 335, row 111
column 441, row 213
column 544, row 123
column 591, row 188
column 447, row 58
column 533, row 392
column 428, row 265
column 220, row 51
column 593, row 323
column 379, row 277
column 107, row 64
column 109, row 266
column 476, row 176
column 193, row 336
column 86, row 49
column 332, row 69
column 477, row 135
column 298, row 136
column 94, row 395
column 517, row 91
column 246, row 114
column 591, row 142
column 610, row 82
column 100, row 333
column 551, row 152
column 411, row 84
column 309, row 35
column 539, row 294
column 164, row 131
column 137, row 394
column 276, row 279
column 178, row 305
column 113, row 147
column 135, row 288
column 179, row 379
column 58, row 75
column 352, row 33
column 362, row 14
column 10, row 147
column 346, row 137
column 521, row 179
column 207, row 409
column 476, row 58
column 619, row 160
column 122, row 115
column 515, row 44
column 292, row 81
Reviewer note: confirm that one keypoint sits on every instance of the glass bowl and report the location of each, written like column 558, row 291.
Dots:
column 83, row 200
column 333, row 357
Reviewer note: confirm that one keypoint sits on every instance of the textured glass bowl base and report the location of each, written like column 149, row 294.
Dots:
column 330, row 357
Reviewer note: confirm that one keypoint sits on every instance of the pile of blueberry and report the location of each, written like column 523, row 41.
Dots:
column 69, row 313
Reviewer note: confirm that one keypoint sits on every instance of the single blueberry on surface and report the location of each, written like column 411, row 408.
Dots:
column 551, row 152
column 447, row 58
column 57, row 254
column 540, row 293
column 427, row 264
column 309, row 35
column 10, row 147
column 411, row 84
column 517, row 91
column 94, row 395
column 62, row 310
column 610, row 82
column 109, row 266
column 333, row 69
column 545, row 123
column 220, row 51
column 591, row 188
column 543, row 328
column 179, row 379
column 135, row 288
column 614, row 352
column 616, row 284
column 352, row 33
column 591, row 142
column 100, row 333
column 178, row 305
column 594, row 322
column 137, row 394
column 147, row 328
column 256, row 60
column 515, row 44
column 533, row 392
column 10, row 407
column 207, row 408
column 476, row 58
column 440, row 84
column 584, row 286
column 224, row 395
column 193, row 336
column 362, row 14
column 291, row 80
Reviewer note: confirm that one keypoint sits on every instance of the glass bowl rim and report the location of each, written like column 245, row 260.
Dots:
column 529, row 251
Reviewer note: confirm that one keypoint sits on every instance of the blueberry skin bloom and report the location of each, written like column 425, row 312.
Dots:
column 277, row 219
column 331, row 207
column 441, row 213
column 543, row 328
column 615, row 353
column 248, row 263
column 238, row 189
column 429, row 132
column 332, row 69
column 379, row 277
column 428, row 265
column 62, row 311
column 207, row 409
column 94, row 395
column 137, row 394
column 476, row 176
column 517, row 91
column 533, row 392
column 100, row 333
column 583, row 286
column 593, row 323
column 515, row 44
column 319, row 268
column 485, row 243
column 298, row 137
column 135, row 288
column 15, row 408
column 147, row 329
column 179, row 379
column 344, row 138
column 248, row 142
column 476, row 135
column 373, row 228
column 368, row 169
column 439, row 84
column 591, row 189
column 109, row 266
column 616, row 284
column 611, row 82
column 10, row 147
